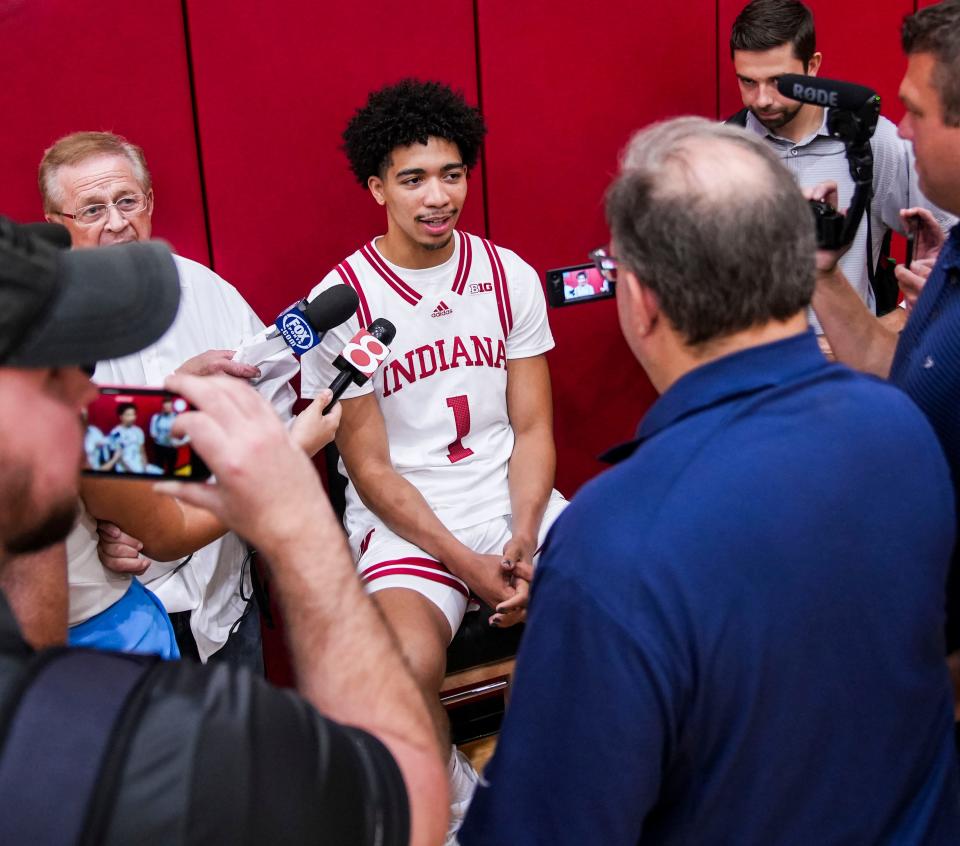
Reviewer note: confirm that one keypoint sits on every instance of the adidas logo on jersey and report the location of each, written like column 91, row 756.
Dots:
column 442, row 310
column 480, row 287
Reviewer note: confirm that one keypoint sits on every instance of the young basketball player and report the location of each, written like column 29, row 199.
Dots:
column 449, row 448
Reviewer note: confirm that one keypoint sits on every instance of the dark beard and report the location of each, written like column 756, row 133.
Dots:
column 53, row 529
column 433, row 247
column 782, row 121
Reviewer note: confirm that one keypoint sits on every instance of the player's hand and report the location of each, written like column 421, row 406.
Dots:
column 928, row 237
column 517, row 564
column 518, row 558
column 485, row 576
column 313, row 430
column 212, row 362
column 826, row 192
column 119, row 551
column 912, row 279
column 266, row 489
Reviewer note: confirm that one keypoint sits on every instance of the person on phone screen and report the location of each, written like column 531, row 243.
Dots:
column 129, row 441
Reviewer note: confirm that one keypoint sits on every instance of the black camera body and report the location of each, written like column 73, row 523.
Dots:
column 829, row 225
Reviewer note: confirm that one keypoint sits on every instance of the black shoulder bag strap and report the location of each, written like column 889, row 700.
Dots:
column 57, row 739
column 739, row 119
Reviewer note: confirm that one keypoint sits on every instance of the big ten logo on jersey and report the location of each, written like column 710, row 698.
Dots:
column 480, row 287
column 365, row 353
column 295, row 329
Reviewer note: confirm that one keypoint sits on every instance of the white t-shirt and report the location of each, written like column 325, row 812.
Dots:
column 93, row 588
column 212, row 315
column 442, row 391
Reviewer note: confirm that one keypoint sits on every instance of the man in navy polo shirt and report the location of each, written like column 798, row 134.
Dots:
column 925, row 359
column 725, row 644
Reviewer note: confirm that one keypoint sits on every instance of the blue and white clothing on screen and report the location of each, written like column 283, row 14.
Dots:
column 96, row 446
column 726, row 641
column 160, row 426
column 129, row 440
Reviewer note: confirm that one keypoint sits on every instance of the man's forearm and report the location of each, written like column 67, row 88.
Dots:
column 531, row 474
column 857, row 338
column 167, row 528
column 348, row 665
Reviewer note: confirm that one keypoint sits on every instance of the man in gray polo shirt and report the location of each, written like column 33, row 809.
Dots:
column 775, row 37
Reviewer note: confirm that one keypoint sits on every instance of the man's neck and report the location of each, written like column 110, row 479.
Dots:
column 401, row 251
column 675, row 358
column 808, row 120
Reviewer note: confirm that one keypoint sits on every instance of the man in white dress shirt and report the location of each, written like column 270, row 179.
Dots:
column 98, row 186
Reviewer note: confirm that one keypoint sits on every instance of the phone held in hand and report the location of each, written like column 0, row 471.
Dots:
column 580, row 283
column 128, row 434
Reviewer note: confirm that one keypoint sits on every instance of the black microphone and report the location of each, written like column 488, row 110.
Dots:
column 361, row 357
column 302, row 326
column 830, row 93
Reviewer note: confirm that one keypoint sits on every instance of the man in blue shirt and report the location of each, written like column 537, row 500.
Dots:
column 724, row 643
column 925, row 359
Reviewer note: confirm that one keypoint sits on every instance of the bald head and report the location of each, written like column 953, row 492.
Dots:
column 707, row 218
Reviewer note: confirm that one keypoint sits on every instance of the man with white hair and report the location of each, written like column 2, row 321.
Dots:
column 97, row 184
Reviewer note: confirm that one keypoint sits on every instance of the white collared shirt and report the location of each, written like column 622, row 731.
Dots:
column 212, row 315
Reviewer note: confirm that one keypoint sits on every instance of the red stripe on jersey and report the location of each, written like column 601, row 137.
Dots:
column 350, row 277
column 378, row 264
column 440, row 578
column 420, row 562
column 497, row 287
column 463, row 266
column 506, row 287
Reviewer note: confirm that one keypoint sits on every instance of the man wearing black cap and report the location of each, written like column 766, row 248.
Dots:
column 100, row 732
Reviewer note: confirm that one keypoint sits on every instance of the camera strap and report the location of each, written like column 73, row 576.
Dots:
column 57, row 740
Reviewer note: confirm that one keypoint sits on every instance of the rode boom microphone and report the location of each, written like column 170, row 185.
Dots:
column 361, row 357
column 852, row 115
column 829, row 93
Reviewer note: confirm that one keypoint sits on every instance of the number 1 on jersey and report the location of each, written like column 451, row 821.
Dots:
column 461, row 416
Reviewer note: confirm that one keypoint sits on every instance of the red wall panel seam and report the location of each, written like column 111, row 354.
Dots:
column 196, row 133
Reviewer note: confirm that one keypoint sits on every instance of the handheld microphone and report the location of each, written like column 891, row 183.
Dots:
column 830, row 93
column 302, row 326
column 361, row 357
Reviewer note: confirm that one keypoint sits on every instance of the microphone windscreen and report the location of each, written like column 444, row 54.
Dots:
column 331, row 307
column 830, row 93
column 55, row 234
column 383, row 330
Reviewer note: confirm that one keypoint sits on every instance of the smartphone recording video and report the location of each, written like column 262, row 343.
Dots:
column 580, row 284
column 128, row 435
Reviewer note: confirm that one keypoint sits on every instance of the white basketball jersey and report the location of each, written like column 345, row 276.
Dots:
column 443, row 389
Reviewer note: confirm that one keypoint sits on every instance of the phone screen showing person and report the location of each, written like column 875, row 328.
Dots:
column 579, row 284
column 128, row 434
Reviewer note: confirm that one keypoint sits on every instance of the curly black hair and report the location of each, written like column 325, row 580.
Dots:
column 407, row 113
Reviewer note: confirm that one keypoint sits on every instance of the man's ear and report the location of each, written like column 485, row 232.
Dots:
column 644, row 307
column 813, row 66
column 375, row 184
column 150, row 203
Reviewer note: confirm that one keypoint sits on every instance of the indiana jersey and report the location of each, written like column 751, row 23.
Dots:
column 443, row 389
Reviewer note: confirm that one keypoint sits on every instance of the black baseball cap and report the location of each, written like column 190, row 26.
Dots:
column 62, row 307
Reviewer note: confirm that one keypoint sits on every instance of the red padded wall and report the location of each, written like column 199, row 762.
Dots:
column 275, row 88
column 859, row 39
column 563, row 88
column 70, row 65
